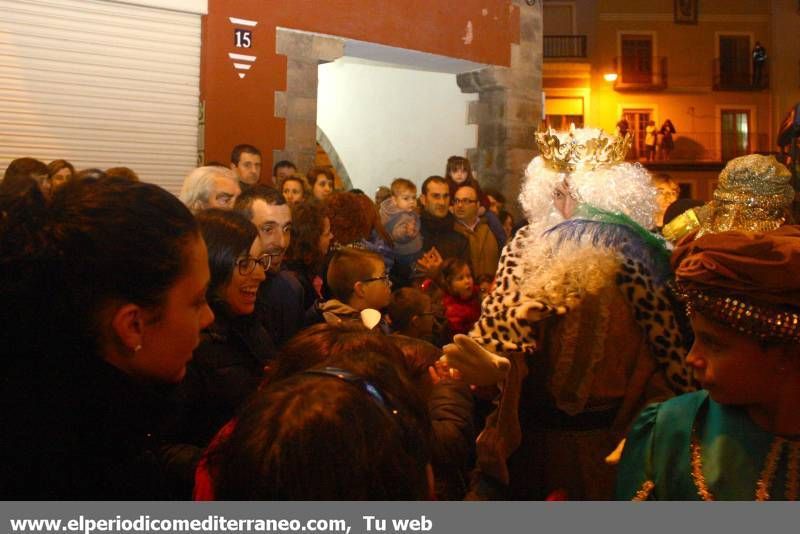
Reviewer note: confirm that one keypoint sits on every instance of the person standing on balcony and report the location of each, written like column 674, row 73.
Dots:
column 623, row 127
column 759, row 58
column 650, row 134
column 667, row 143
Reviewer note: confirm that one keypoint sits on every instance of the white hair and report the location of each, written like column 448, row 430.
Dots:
column 626, row 188
column 197, row 185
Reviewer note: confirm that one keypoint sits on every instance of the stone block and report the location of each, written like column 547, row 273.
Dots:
column 293, row 44
column 517, row 159
column 523, row 109
column 473, row 155
column 491, row 135
column 495, row 102
column 530, row 25
column 468, row 82
column 483, row 79
column 524, row 56
column 520, row 134
column 301, row 78
column 326, row 49
column 492, row 160
column 280, row 104
column 526, row 82
column 300, row 135
column 302, row 108
column 476, row 112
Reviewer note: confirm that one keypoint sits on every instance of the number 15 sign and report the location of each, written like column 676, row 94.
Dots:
column 242, row 38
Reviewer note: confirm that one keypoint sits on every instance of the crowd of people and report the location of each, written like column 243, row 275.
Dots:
column 291, row 342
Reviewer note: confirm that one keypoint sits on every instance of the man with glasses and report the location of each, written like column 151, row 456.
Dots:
column 279, row 302
column 483, row 248
column 439, row 239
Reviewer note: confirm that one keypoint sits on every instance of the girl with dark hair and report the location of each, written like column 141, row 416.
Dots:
column 459, row 172
column 104, row 298
column 60, row 171
column 320, row 180
column 229, row 363
column 461, row 300
column 308, row 248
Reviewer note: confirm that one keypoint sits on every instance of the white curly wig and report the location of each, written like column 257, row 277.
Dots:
column 624, row 187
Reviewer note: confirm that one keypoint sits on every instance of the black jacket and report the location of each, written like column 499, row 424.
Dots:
column 228, row 366
column 439, row 232
column 280, row 306
column 77, row 428
column 451, row 410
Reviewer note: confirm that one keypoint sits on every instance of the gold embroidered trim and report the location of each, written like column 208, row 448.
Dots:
column 645, row 491
column 697, row 470
column 767, row 473
column 770, row 465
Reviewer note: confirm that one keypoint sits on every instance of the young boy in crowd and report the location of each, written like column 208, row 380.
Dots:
column 400, row 219
column 359, row 286
column 411, row 314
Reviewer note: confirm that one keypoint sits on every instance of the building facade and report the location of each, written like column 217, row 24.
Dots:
column 724, row 73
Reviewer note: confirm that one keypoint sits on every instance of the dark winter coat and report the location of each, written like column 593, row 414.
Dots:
column 228, row 366
column 440, row 233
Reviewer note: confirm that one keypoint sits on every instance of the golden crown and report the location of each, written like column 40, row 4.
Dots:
column 584, row 148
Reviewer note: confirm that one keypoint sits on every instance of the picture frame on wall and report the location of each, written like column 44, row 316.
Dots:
column 686, row 11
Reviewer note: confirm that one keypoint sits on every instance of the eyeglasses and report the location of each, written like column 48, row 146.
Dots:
column 247, row 264
column 384, row 277
column 464, row 201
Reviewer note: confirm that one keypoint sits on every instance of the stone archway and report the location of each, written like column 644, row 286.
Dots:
column 509, row 109
column 298, row 103
column 335, row 160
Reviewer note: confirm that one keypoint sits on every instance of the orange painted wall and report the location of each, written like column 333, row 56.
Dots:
column 242, row 110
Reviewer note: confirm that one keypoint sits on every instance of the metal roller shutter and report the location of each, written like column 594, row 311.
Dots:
column 100, row 84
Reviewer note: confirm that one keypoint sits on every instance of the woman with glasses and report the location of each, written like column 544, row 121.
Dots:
column 234, row 350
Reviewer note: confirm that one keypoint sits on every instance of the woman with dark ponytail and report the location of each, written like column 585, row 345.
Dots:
column 103, row 298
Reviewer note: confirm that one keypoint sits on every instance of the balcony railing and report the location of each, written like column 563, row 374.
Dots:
column 730, row 76
column 564, row 46
column 640, row 74
column 703, row 147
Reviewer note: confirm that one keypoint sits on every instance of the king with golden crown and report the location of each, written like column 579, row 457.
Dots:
column 581, row 306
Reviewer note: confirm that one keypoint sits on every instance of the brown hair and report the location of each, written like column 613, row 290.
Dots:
column 308, row 219
column 455, row 163
column 432, row 179
column 314, row 172
column 295, row 178
column 123, row 172
column 403, row 184
column 406, row 303
column 349, row 266
column 450, row 267
column 57, row 164
column 315, row 344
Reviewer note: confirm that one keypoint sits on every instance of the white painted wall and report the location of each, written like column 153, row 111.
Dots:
column 387, row 122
